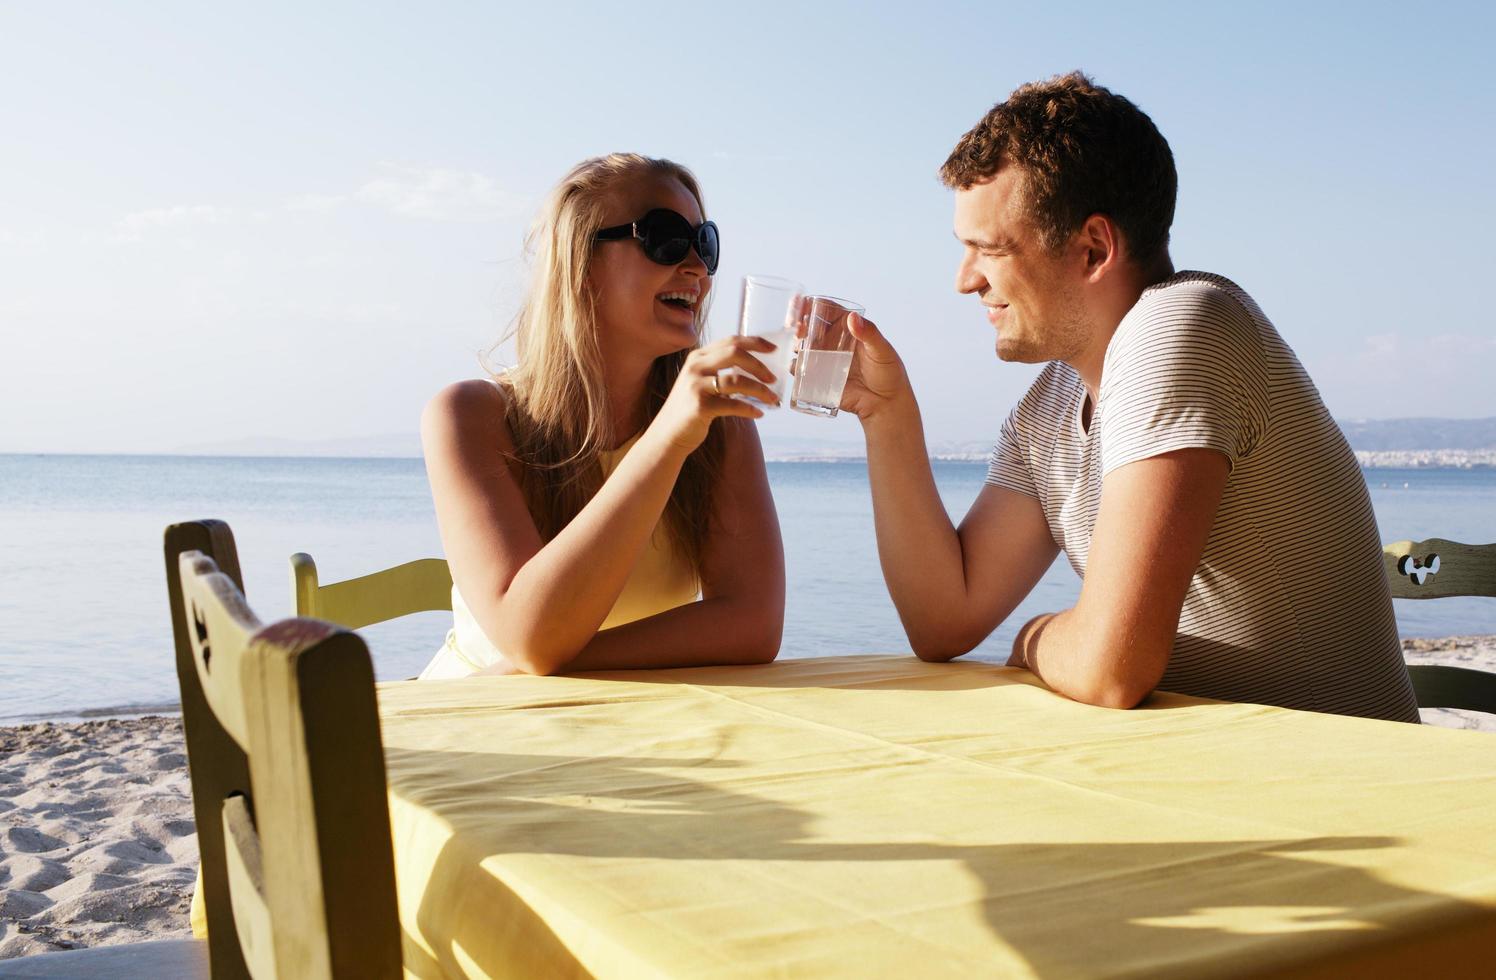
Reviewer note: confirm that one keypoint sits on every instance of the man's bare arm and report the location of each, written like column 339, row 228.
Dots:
column 951, row 587
column 1155, row 518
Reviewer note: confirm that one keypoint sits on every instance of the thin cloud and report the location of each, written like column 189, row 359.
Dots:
column 429, row 194
column 316, row 203
column 437, row 194
column 1396, row 375
column 135, row 226
column 1439, row 352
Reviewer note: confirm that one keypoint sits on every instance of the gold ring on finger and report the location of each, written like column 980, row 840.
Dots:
column 717, row 384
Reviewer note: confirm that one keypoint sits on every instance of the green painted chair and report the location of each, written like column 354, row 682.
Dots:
column 1436, row 569
column 287, row 769
column 424, row 585
column 288, row 780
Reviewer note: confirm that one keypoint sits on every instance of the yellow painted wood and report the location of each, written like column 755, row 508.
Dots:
column 216, row 609
column 1438, row 568
column 1447, row 686
column 299, row 877
column 219, row 765
column 280, row 761
column 1463, row 569
column 304, row 585
column 247, row 888
column 423, row 585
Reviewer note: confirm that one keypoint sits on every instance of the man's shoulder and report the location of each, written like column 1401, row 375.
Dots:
column 1056, row 377
column 1051, row 394
column 1191, row 314
column 1195, row 297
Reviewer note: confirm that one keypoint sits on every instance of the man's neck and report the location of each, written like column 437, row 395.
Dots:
column 1113, row 307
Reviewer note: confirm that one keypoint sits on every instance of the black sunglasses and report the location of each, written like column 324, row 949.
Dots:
column 667, row 237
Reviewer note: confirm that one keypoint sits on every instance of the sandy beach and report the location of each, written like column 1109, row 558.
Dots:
column 97, row 843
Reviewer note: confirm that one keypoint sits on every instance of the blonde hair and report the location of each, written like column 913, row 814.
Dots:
column 558, row 408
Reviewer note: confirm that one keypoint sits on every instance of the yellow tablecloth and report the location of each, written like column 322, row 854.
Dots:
column 876, row 816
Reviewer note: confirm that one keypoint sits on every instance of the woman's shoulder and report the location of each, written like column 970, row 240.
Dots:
column 482, row 394
column 740, row 438
column 470, row 410
column 742, row 452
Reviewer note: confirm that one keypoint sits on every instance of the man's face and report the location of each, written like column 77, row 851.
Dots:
column 1033, row 297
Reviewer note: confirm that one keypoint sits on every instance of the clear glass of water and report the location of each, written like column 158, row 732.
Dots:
column 771, row 309
column 825, row 356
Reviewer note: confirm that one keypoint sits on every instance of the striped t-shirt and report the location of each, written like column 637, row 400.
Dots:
column 1290, row 604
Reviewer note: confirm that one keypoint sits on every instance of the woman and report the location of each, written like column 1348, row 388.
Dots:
column 605, row 504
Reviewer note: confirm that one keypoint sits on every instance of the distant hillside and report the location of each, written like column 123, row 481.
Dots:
column 360, row 447
column 1414, row 435
column 1378, row 442
column 1366, row 436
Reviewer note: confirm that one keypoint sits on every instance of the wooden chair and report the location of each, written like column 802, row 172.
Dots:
column 288, row 787
column 424, row 585
column 288, row 780
column 1436, row 569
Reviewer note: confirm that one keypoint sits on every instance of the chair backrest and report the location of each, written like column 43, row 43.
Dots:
column 424, row 585
column 288, row 780
column 1438, row 568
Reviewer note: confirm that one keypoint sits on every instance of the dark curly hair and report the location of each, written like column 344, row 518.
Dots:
column 1083, row 150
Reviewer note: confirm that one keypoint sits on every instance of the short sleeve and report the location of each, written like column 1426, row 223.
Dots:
column 1009, row 464
column 1025, row 446
column 1186, row 370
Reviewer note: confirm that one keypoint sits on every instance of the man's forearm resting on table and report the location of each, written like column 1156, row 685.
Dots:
column 1077, row 660
column 1112, row 648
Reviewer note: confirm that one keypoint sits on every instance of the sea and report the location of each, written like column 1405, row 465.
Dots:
column 85, row 630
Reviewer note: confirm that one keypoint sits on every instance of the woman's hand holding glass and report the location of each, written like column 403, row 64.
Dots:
column 701, row 393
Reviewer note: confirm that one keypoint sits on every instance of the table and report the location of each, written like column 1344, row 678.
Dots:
column 878, row 816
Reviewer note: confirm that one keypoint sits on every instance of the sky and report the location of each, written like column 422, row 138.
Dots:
column 223, row 222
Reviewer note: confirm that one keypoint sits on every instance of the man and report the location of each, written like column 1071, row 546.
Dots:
column 1173, row 448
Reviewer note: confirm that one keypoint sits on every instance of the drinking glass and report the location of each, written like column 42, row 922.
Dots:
column 825, row 357
column 771, row 308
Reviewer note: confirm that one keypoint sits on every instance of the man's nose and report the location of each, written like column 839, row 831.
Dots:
column 968, row 280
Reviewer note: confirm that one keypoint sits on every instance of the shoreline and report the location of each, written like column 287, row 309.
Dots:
column 122, row 712
column 98, row 845
column 1431, row 460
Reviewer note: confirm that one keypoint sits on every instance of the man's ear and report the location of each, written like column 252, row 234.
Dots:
column 1102, row 241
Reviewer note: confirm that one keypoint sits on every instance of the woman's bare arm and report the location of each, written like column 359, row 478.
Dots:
column 542, row 603
column 741, row 613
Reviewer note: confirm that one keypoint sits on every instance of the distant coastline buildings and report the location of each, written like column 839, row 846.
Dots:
column 1463, row 444
column 1379, row 444
column 1397, row 459
column 1430, row 459
column 1434, row 459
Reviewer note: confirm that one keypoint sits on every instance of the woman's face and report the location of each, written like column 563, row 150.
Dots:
column 643, row 307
